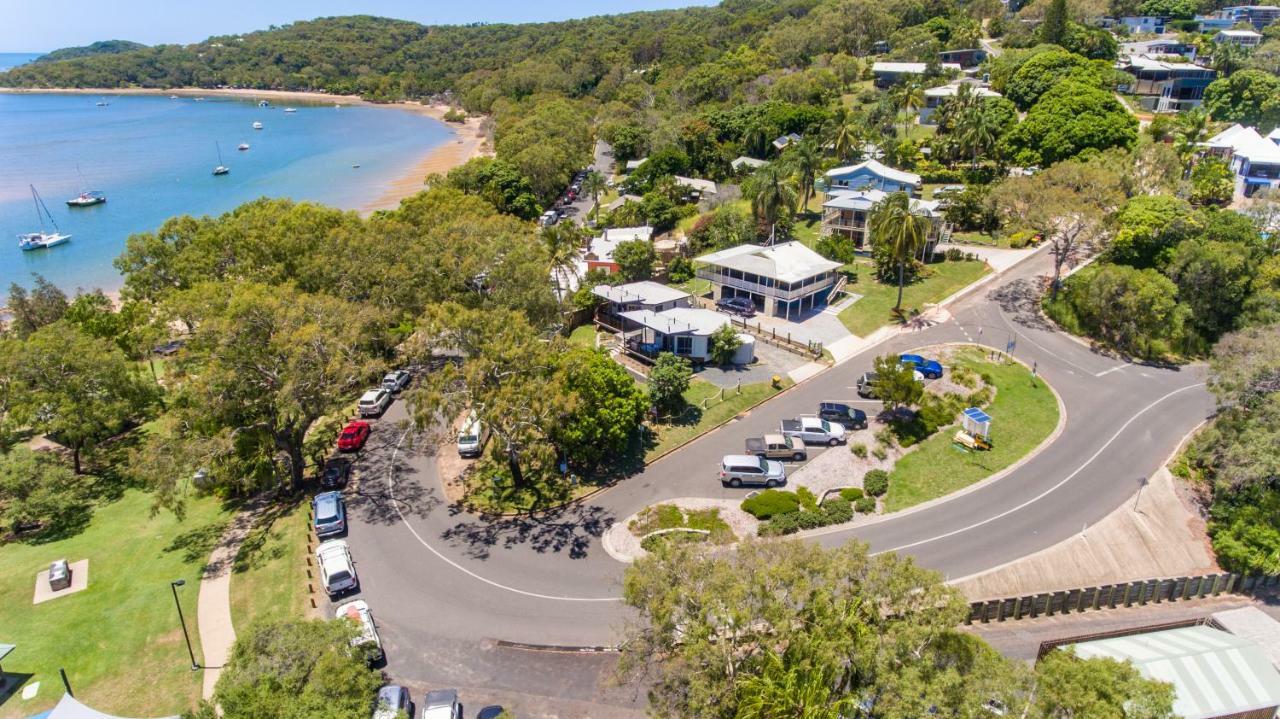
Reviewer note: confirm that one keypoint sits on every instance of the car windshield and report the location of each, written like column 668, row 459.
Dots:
column 341, row 575
column 326, row 511
column 466, row 439
column 350, row 432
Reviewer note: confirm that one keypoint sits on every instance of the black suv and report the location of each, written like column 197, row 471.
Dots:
column 336, row 473
column 737, row 306
column 850, row 417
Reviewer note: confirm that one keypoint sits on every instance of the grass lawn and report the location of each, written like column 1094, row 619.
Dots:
column 980, row 238
column 269, row 575
column 119, row 639
column 1023, row 414
column 808, row 228
column 695, row 286
column 695, row 421
column 584, row 335
column 875, row 309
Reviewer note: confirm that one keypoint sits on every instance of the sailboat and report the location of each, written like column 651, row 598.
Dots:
column 221, row 169
column 42, row 239
column 103, row 102
column 86, row 198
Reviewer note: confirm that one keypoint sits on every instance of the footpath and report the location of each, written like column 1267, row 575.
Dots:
column 213, row 613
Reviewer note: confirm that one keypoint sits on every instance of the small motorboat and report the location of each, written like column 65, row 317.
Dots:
column 199, row 99
column 173, row 97
column 102, row 103
column 242, row 146
column 263, row 103
column 257, row 125
column 87, row 199
column 291, row 109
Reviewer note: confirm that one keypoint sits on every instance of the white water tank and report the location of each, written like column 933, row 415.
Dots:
column 746, row 353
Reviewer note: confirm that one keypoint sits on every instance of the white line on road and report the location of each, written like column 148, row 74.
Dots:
column 1113, row 369
column 1050, row 490
column 391, row 488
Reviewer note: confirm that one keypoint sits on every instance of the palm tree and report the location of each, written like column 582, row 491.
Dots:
column 901, row 232
column 797, row 687
column 772, row 191
column 594, row 184
column 908, row 97
column 756, row 138
column 977, row 132
column 1227, row 57
column 847, row 137
column 563, row 243
column 1190, row 129
column 805, row 158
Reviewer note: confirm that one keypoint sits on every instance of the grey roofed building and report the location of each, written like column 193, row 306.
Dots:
column 1214, row 674
column 745, row 161
column 646, row 295
column 683, row 331
column 781, row 279
column 706, row 187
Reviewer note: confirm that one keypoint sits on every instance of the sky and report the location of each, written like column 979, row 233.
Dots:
column 27, row 26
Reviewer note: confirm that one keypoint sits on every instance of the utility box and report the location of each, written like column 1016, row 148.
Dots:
column 59, row 575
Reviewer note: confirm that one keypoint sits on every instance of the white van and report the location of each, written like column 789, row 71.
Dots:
column 471, row 436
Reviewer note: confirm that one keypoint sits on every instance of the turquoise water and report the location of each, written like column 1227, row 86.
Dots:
column 14, row 59
column 153, row 157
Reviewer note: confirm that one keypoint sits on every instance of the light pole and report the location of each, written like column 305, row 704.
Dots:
column 182, row 620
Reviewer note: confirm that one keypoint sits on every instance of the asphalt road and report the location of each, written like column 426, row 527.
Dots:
column 447, row 587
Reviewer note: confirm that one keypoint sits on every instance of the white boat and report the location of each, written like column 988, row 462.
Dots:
column 86, row 198
column 221, row 169
column 291, row 109
column 242, row 146
column 103, row 102
column 199, row 99
column 263, row 103
column 173, row 97
column 43, row 238
column 257, row 125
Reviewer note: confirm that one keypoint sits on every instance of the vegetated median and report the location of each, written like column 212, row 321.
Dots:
column 1024, row 413
column 673, row 433
column 875, row 309
column 119, row 639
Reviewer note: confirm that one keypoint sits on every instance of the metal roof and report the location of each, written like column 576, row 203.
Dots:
column 879, row 169
column 5, row 649
column 1213, row 673
column 644, row 293
column 977, row 415
column 679, row 320
column 788, row 261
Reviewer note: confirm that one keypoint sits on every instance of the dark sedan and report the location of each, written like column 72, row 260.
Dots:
column 737, row 306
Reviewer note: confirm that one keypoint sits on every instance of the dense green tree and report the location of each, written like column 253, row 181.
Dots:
column 1134, row 311
column 668, row 381
column 1213, row 280
column 1212, row 182
column 635, row 259
column 602, row 410
column 727, row 226
column 1249, row 97
column 1178, row 9
column 896, row 384
column 900, row 232
column 39, row 496
column 1069, row 119
column 30, row 310
column 1072, row 688
column 723, row 344
column 294, row 669
column 1054, row 27
column 500, row 183
column 1148, row 227
column 1045, row 70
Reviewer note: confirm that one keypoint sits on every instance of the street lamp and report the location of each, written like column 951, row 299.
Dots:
column 182, row 620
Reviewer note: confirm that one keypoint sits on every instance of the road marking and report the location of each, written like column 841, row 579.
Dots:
column 395, row 503
column 1113, row 369
column 1050, row 490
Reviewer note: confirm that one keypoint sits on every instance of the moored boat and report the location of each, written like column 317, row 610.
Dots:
column 87, row 199
column 257, row 125
column 221, row 169
column 42, row 239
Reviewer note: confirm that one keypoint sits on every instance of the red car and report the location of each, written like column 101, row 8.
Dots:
column 353, row 436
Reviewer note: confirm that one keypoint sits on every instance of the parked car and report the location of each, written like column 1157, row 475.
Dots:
column 739, row 469
column 472, row 436
column 328, row 514
column 548, row 218
column 337, row 471
column 737, row 306
column 927, row 367
column 358, row 611
column 353, row 436
column 374, row 402
column 850, row 417
column 777, row 446
column 337, row 571
column 490, row 712
column 867, row 382
column 813, row 430
column 396, row 380
column 441, row 704
column 392, row 699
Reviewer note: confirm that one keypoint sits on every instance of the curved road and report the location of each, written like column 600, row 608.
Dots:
column 445, row 584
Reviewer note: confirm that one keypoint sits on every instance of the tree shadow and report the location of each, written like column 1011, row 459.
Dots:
column 1020, row 299
column 196, row 544
column 569, row 529
column 373, row 501
column 254, row 551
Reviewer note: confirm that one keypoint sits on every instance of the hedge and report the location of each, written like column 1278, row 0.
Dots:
column 835, row 511
column 771, row 502
column 852, row 494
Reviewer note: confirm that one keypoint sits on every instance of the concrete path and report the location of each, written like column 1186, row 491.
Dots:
column 1151, row 536
column 213, row 613
column 999, row 258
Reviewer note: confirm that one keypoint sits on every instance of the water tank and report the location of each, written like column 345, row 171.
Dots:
column 746, row 353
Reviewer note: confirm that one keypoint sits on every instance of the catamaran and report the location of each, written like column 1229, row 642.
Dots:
column 221, row 169
column 42, row 239
column 86, row 198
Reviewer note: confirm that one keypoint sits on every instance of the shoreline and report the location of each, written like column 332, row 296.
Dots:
column 469, row 139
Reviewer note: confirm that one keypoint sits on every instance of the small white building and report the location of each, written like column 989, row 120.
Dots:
column 599, row 254
column 684, row 332
column 748, row 163
column 1243, row 38
column 646, row 295
column 934, row 97
column 700, row 186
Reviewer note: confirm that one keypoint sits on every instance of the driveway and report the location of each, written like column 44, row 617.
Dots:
column 770, row 361
column 447, row 585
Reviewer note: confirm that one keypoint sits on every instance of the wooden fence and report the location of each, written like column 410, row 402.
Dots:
column 1111, row 596
column 771, row 336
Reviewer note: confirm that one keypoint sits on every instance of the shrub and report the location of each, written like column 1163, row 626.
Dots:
column 455, row 115
column 780, row 525
column 680, row 269
column 837, row 511
column 954, row 254
column 807, row 498
column 866, row 505
column 852, row 494
column 876, row 482
column 880, row 453
column 659, row 542
column 1018, row 240
column 885, row 436
column 859, row 450
column 771, row 502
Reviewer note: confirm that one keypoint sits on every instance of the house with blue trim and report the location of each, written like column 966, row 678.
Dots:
column 1254, row 159
column 871, row 175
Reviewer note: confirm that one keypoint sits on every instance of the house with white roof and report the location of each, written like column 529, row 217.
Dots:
column 747, row 163
column 700, row 186
column 847, row 213
column 1167, row 46
column 1259, row 16
column 633, row 165
column 1243, row 38
column 1164, row 86
column 599, row 254
column 682, row 331
column 934, row 97
column 1254, row 159
column 646, row 295
column 784, row 279
column 785, row 141
column 1215, row 674
column 871, row 174
column 892, row 73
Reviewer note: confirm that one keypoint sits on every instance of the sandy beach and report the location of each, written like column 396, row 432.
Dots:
column 469, row 138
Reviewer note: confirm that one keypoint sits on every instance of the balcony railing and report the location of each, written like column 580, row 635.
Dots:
column 707, row 273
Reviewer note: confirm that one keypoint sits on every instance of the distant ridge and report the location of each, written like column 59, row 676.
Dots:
column 102, row 47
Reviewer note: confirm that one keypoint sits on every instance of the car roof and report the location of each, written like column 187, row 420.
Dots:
column 328, row 500
column 356, row 605
column 328, row 496
column 440, row 697
column 391, row 692
column 355, row 424
column 834, row 404
column 332, row 547
column 372, row 394
column 740, row 459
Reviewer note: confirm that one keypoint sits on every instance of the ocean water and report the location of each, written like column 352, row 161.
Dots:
column 14, row 59
column 153, row 157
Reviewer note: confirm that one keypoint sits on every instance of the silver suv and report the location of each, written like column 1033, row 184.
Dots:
column 739, row 469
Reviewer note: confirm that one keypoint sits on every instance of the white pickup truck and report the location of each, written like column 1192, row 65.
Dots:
column 813, row 430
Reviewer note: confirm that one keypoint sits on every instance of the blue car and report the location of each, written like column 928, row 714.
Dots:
column 931, row 369
column 329, row 514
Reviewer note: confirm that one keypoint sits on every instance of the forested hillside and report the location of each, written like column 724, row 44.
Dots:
column 102, row 47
